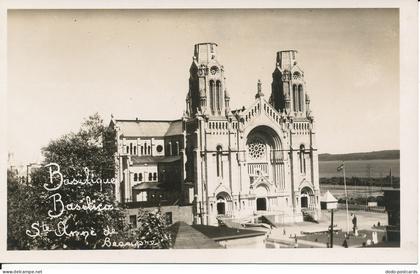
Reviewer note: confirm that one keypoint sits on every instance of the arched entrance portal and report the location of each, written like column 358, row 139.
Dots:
column 264, row 155
column 222, row 204
column 305, row 197
column 303, row 201
column 261, row 204
column 221, row 208
column 261, row 192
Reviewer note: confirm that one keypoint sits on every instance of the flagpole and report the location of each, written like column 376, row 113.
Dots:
column 347, row 204
column 390, row 175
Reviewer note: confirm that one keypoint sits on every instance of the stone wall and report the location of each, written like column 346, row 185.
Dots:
column 172, row 213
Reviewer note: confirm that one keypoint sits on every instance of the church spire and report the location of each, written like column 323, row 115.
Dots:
column 288, row 86
column 207, row 82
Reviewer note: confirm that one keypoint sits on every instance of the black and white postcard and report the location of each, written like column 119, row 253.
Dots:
column 182, row 134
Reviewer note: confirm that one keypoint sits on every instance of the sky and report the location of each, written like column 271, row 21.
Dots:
column 64, row 65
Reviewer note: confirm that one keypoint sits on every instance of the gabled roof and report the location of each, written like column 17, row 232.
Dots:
column 296, row 68
column 154, row 159
column 149, row 128
column 328, row 197
column 218, row 233
column 187, row 237
column 147, row 186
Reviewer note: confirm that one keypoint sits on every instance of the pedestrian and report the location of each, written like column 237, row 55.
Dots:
column 354, row 221
column 345, row 245
column 374, row 237
column 284, row 231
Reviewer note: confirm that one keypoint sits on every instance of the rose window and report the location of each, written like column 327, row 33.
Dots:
column 257, row 149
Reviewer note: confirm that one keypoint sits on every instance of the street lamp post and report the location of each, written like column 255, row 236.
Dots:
column 332, row 228
column 328, row 201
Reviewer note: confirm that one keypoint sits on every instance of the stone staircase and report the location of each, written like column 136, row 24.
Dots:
column 310, row 215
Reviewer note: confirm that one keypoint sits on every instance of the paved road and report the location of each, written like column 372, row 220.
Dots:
column 365, row 221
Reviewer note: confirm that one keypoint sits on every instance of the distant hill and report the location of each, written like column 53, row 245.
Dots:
column 374, row 155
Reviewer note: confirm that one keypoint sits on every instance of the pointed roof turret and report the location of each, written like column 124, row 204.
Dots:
column 328, row 198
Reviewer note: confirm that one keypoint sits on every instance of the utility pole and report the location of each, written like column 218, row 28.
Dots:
column 343, row 168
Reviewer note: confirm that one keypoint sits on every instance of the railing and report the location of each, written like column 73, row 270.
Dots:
column 272, row 113
column 252, row 111
column 301, row 127
column 257, row 168
column 144, row 204
column 378, row 209
column 221, row 127
column 256, row 109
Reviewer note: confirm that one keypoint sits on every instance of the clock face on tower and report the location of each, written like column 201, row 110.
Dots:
column 214, row 70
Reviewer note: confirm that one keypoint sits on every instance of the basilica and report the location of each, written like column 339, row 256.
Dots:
column 226, row 163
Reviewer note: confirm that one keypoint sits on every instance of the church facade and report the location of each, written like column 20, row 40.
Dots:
column 226, row 163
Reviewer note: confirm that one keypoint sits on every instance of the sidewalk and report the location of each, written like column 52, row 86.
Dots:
column 365, row 221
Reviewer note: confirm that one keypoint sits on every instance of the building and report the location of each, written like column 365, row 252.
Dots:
column 260, row 160
column 392, row 207
column 22, row 172
column 150, row 164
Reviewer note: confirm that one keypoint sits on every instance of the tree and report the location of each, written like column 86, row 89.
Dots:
column 80, row 157
column 17, row 212
column 152, row 230
column 48, row 213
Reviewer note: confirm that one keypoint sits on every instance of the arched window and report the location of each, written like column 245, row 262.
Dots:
column 135, row 177
column 154, row 176
column 219, row 161
column 127, row 149
column 300, row 98
column 212, row 99
column 135, row 150
column 149, row 150
column 295, row 97
column 219, row 95
column 150, row 176
column 140, row 177
column 170, row 149
column 141, row 150
column 131, row 148
column 302, row 163
column 177, row 148
column 257, row 150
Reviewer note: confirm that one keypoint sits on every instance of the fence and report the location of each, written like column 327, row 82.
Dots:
column 378, row 209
